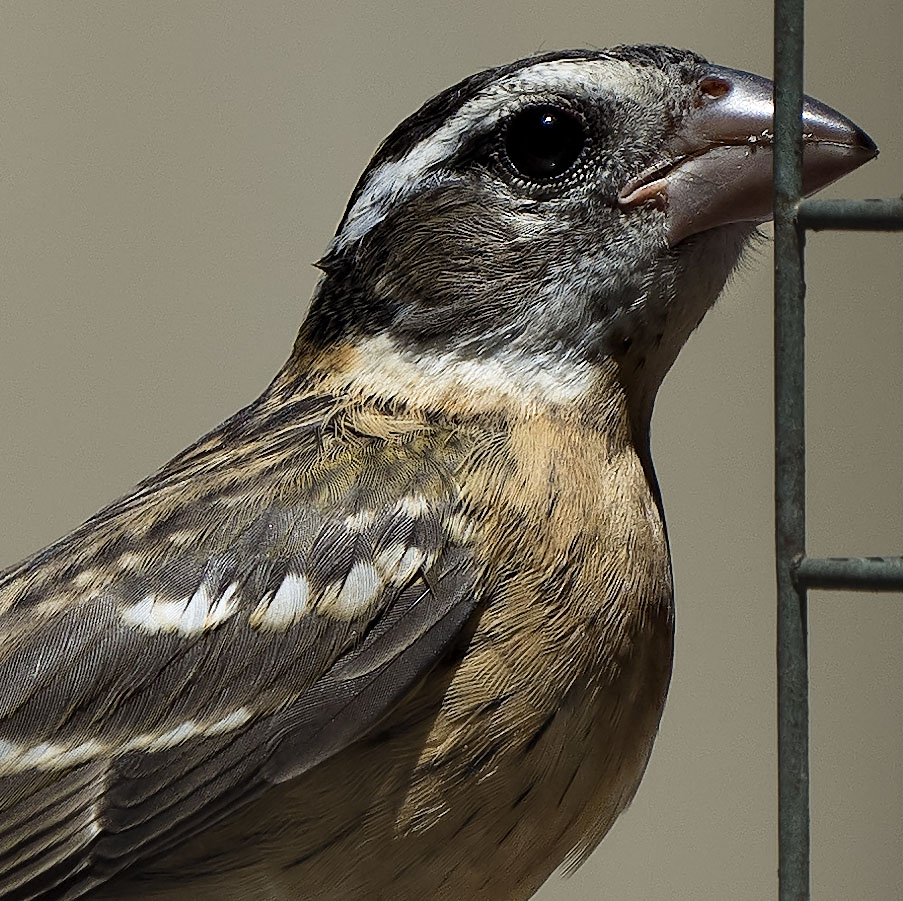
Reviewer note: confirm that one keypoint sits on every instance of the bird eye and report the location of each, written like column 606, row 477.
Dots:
column 543, row 141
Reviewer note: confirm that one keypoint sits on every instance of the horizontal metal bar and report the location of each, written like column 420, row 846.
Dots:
column 854, row 215
column 851, row 573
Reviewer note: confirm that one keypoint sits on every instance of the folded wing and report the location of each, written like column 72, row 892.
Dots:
column 248, row 612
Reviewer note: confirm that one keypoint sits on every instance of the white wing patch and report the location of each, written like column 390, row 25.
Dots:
column 286, row 606
column 192, row 615
column 360, row 521
column 413, row 505
column 355, row 598
column 47, row 756
column 160, row 741
column 344, row 599
column 398, row 563
column 234, row 720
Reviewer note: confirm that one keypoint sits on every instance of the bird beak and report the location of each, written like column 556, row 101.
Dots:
column 718, row 166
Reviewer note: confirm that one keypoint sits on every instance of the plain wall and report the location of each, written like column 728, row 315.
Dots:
column 169, row 172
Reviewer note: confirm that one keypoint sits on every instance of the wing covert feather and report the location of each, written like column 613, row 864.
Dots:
column 243, row 615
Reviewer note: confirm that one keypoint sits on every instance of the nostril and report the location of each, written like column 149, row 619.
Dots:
column 714, row 86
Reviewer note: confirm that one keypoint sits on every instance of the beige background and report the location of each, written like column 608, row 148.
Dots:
column 169, row 170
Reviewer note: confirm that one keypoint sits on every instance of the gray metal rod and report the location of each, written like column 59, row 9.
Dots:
column 790, row 464
column 853, row 215
column 850, row 573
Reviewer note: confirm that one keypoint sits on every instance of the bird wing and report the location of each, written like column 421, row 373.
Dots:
column 249, row 611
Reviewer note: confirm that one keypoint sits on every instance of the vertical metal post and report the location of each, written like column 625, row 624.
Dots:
column 790, row 522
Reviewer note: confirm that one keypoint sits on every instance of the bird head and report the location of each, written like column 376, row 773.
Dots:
column 546, row 223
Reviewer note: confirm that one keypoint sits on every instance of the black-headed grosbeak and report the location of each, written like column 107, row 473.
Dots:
column 402, row 627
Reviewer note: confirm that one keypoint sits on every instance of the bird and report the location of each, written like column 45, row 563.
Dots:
column 403, row 626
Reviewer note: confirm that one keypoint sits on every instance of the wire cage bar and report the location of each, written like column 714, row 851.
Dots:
column 795, row 571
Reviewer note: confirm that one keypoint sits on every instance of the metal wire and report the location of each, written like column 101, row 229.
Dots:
column 850, row 573
column 858, row 215
column 790, row 456
column 795, row 571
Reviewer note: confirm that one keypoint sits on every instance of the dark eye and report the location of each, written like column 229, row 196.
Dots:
column 543, row 141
